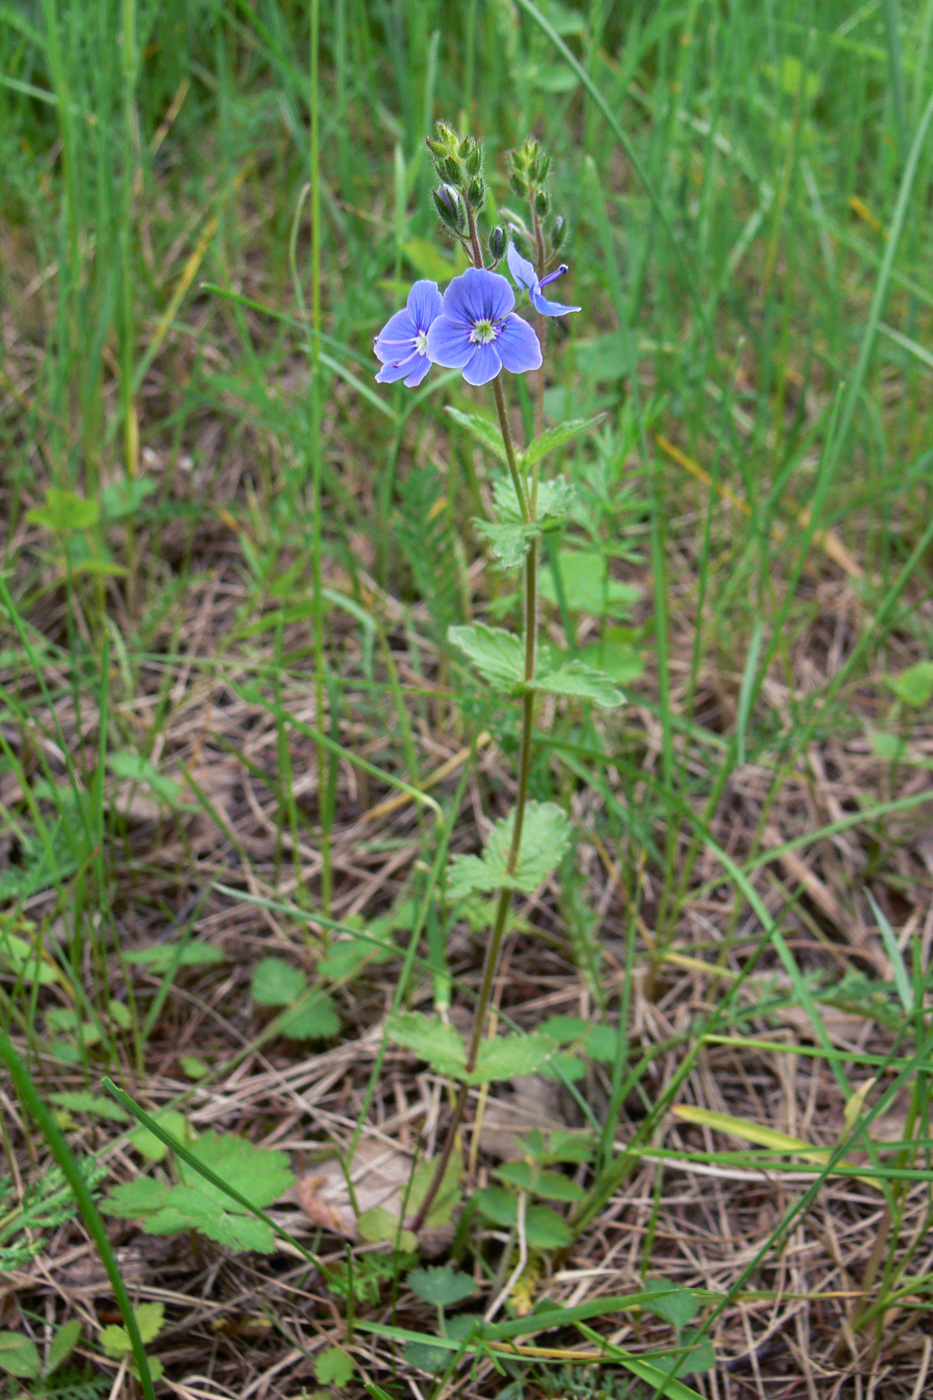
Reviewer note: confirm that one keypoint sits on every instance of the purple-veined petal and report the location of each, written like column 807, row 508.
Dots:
column 517, row 346
column 483, row 365
column 399, row 330
column 449, row 342
column 550, row 308
column 521, row 269
column 397, row 369
column 424, row 303
column 420, row 364
column 478, row 295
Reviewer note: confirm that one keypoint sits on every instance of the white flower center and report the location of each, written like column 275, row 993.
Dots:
column 421, row 342
column 483, row 332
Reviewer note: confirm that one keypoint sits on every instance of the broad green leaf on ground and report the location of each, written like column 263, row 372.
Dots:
column 164, row 1208
column 509, row 1056
column 499, row 656
column 545, row 1229
column 132, row 767
column 448, row 1195
column 556, row 437
column 428, row 1038
column 276, row 982
column 82, row 1101
column 19, row 1356
column 671, row 1302
column 153, row 1147
column 115, row 1340
column 313, row 1017
column 913, row 686
column 63, row 1344
column 587, row 586
column 380, row 1226
column 333, row 1367
column 25, row 959
column 160, row 956
column 124, row 497
column 553, row 1186
column 64, row 510
column 545, row 838
column 483, row 430
column 441, row 1287
column 582, row 682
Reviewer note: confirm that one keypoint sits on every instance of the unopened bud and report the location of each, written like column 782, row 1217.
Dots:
column 450, row 208
column 542, row 203
column 446, row 134
column 466, row 146
column 474, row 159
column 519, row 183
column 541, row 169
column 476, row 192
column 558, row 232
column 497, row 243
column 437, row 148
column 452, row 170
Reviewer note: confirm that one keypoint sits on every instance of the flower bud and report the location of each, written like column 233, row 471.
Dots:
column 542, row 203
column 541, row 169
column 497, row 243
column 474, row 159
column 476, row 192
column 558, row 232
column 450, row 208
column 519, row 183
column 446, row 134
column 437, row 148
column 451, row 170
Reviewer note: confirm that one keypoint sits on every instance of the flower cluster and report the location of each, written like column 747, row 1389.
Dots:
column 473, row 327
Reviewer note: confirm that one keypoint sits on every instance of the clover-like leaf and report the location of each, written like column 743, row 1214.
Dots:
column 582, row 682
column 499, row 656
column 545, row 837
column 442, row 1287
column 333, row 1367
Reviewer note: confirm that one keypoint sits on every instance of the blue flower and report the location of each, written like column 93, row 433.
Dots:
column 402, row 342
column 525, row 275
column 478, row 332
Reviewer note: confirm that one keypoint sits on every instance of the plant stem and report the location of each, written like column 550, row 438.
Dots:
column 494, row 946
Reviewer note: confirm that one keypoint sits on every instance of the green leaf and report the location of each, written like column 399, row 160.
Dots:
column 913, row 686
column 509, row 543
column 193, row 1067
column 554, row 1186
column 672, row 1303
column 545, row 1229
column 125, row 497
column 555, row 498
column 442, row 1287
column 24, row 959
column 381, row 1226
column 582, row 682
column 261, row 1174
column 276, row 982
column 81, row 1101
column 423, row 1357
column 428, row 1038
column 132, row 767
column 153, row 1147
column 509, row 1056
column 701, row 1357
column 19, row 1356
column 499, row 656
column 314, row 1017
column 448, row 1195
column 615, row 655
column 116, row 1340
column 483, row 430
column 63, row 1344
column 499, row 1206
column 64, row 511
column 556, row 437
column 161, row 956
column 587, row 586
column 545, row 837
column 333, row 1367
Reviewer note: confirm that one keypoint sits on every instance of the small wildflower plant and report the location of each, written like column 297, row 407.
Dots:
column 475, row 326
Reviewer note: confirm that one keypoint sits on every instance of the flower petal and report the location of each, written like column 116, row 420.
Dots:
column 420, row 364
column 520, row 268
column 397, row 369
column 399, row 330
column 478, row 295
column 484, row 364
column 424, row 303
column 550, row 308
column 449, row 342
column 517, row 346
